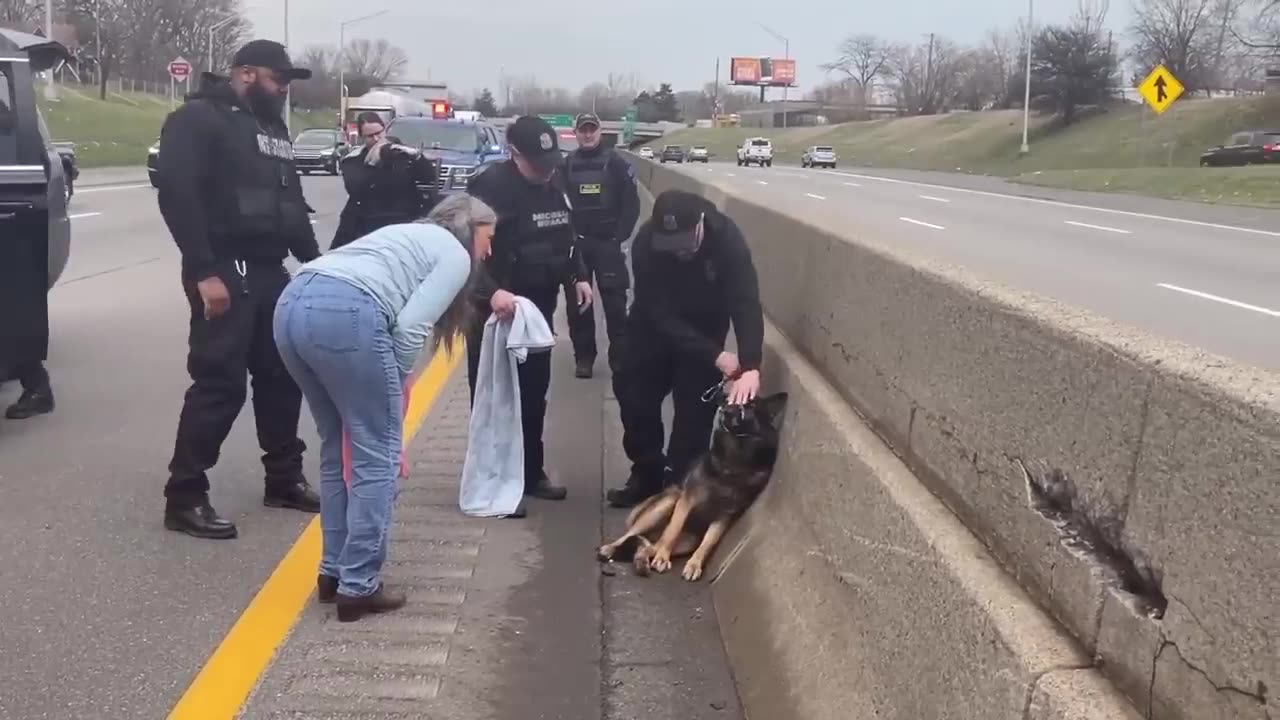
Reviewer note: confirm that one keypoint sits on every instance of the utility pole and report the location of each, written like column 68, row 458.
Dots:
column 715, row 96
column 928, row 78
column 1026, row 92
column 50, row 90
column 288, row 91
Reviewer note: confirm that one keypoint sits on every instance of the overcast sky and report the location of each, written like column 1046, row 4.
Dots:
column 470, row 43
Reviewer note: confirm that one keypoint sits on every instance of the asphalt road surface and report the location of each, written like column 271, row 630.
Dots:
column 1207, row 276
column 109, row 616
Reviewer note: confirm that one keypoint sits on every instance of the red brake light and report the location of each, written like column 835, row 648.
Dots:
column 1271, row 147
column 440, row 109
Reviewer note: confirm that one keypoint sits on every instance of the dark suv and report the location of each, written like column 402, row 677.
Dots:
column 672, row 153
column 1248, row 147
column 462, row 149
column 35, row 232
column 319, row 149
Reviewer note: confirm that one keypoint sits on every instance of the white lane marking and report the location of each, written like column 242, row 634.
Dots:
column 815, row 197
column 1219, row 298
column 77, row 216
column 732, row 174
column 935, row 199
column 921, row 222
column 762, row 182
column 1098, row 227
column 849, row 184
column 110, row 188
column 1059, row 203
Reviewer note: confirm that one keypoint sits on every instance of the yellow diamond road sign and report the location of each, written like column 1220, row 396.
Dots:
column 1160, row 89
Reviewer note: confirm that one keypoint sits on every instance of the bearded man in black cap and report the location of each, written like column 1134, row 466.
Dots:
column 230, row 195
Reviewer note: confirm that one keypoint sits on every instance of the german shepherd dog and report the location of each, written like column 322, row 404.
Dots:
column 691, row 518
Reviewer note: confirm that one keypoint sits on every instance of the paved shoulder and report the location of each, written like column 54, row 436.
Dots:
column 510, row 619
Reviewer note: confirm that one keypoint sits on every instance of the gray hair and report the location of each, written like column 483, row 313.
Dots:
column 460, row 213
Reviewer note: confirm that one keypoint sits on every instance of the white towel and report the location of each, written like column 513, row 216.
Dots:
column 493, row 473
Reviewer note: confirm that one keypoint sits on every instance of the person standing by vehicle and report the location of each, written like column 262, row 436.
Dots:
column 606, row 206
column 534, row 255
column 231, row 197
column 385, row 183
column 350, row 327
column 694, row 275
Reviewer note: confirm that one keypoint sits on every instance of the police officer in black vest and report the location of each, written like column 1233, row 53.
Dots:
column 231, row 197
column 606, row 206
column 534, row 255
column 694, row 276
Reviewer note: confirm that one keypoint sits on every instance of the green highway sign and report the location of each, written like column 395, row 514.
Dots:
column 558, row 120
column 629, row 125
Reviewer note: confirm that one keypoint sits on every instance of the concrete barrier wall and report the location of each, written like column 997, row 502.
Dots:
column 1126, row 484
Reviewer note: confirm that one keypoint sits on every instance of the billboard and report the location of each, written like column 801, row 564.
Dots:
column 762, row 72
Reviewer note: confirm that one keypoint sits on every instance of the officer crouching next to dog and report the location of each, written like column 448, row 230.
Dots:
column 693, row 277
column 385, row 183
column 534, row 254
column 230, row 195
column 606, row 206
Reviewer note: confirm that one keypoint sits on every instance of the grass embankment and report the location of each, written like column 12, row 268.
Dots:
column 117, row 131
column 1124, row 149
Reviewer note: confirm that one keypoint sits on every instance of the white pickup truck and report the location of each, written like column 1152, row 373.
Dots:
column 756, row 150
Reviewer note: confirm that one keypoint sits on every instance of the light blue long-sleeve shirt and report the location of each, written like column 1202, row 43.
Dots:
column 413, row 271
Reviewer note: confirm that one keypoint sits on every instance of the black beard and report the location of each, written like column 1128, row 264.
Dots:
column 265, row 105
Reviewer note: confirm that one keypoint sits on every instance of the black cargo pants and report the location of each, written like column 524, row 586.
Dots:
column 534, row 376
column 649, row 371
column 607, row 265
column 222, row 352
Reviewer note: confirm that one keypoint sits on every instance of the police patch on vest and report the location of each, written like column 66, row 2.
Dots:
column 589, row 189
column 554, row 218
column 669, row 223
column 277, row 148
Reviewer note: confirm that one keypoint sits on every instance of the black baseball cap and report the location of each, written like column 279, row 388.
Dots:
column 271, row 55
column 536, row 140
column 675, row 220
column 586, row 119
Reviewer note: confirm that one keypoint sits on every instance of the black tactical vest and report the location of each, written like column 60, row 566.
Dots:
column 544, row 237
column 595, row 212
column 254, row 166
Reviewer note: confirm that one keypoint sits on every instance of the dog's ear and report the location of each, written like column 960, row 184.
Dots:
column 774, row 405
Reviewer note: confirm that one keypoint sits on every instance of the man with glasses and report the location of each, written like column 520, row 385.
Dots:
column 606, row 206
column 231, row 197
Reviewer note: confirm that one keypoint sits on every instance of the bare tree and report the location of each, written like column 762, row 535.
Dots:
column 377, row 60
column 1177, row 33
column 20, row 14
column 863, row 58
column 926, row 76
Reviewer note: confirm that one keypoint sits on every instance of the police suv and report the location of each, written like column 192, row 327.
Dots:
column 462, row 149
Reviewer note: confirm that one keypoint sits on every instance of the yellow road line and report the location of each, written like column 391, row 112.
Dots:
column 232, row 671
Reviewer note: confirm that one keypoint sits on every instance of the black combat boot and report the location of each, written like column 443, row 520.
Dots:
column 584, row 367
column 636, row 490
column 32, row 402
column 542, row 489
column 294, row 495
column 198, row 519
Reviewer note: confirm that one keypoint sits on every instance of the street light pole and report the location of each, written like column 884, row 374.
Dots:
column 342, row 62
column 288, row 90
column 51, row 90
column 212, row 29
column 1026, row 98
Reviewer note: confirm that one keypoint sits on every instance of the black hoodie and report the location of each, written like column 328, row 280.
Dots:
column 228, row 186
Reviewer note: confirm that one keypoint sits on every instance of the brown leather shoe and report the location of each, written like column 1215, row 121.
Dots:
column 382, row 600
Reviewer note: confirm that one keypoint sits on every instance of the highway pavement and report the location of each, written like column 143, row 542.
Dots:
column 1208, row 276
column 109, row 616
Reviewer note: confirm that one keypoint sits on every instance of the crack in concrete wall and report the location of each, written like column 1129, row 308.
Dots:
column 1258, row 695
column 1096, row 540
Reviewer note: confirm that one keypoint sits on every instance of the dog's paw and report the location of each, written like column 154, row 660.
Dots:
column 605, row 553
column 692, row 570
column 661, row 561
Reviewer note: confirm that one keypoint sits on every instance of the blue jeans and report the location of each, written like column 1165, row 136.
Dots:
column 336, row 343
